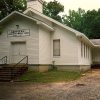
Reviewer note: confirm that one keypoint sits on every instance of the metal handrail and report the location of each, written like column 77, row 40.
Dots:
column 12, row 68
column 21, row 61
column 4, row 60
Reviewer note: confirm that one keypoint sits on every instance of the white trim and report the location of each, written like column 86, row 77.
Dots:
column 41, row 1
column 77, row 33
column 97, row 46
column 85, row 39
column 13, row 13
column 80, row 35
column 36, row 20
column 50, row 19
column 45, row 25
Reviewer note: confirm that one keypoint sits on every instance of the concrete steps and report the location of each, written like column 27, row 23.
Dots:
column 10, row 72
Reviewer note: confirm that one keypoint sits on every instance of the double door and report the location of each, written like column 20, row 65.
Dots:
column 18, row 51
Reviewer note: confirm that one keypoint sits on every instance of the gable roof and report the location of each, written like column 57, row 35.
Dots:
column 80, row 35
column 16, row 13
column 50, row 19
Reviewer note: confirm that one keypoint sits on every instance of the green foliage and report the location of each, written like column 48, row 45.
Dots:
column 53, row 9
column 7, row 6
column 85, row 22
column 51, row 76
column 74, row 19
column 92, row 24
column 95, row 28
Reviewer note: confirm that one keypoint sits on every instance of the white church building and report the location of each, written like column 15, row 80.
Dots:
column 45, row 41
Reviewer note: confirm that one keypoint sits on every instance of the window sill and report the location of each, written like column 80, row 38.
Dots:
column 56, row 56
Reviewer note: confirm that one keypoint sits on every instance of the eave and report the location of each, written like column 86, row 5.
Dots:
column 15, row 13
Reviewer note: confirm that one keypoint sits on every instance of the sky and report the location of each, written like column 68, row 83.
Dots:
column 75, row 4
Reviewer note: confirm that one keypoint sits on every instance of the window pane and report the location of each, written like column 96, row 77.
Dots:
column 84, row 50
column 81, row 49
column 56, row 47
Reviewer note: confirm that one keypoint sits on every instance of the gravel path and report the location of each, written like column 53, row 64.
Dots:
column 86, row 88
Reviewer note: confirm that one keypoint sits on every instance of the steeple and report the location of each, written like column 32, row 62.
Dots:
column 35, row 4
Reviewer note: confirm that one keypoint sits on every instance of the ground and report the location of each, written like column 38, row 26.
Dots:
column 86, row 88
column 50, row 76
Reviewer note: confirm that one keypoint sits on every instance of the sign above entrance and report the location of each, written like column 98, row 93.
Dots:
column 18, row 33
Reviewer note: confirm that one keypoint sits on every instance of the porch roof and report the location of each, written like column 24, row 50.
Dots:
column 95, row 41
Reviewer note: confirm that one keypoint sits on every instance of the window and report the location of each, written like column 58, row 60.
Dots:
column 56, row 47
column 89, row 52
column 86, row 51
column 82, row 49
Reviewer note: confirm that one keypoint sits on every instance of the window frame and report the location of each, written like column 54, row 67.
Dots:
column 82, row 53
column 54, row 49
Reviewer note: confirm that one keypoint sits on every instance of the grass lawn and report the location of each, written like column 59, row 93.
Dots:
column 50, row 76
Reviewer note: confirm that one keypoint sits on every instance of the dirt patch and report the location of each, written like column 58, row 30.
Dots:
column 86, row 88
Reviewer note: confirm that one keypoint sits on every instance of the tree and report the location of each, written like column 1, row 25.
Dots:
column 75, row 19
column 85, row 22
column 95, row 28
column 88, row 23
column 53, row 9
column 7, row 6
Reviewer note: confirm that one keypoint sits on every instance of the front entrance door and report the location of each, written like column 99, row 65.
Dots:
column 18, row 51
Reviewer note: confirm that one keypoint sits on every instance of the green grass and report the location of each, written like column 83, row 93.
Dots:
column 50, row 76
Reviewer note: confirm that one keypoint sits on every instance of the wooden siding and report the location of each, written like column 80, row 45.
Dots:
column 44, row 46
column 39, row 44
column 32, row 41
column 86, row 59
column 68, row 47
column 40, row 18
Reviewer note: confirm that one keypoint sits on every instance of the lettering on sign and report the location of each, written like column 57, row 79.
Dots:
column 18, row 33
